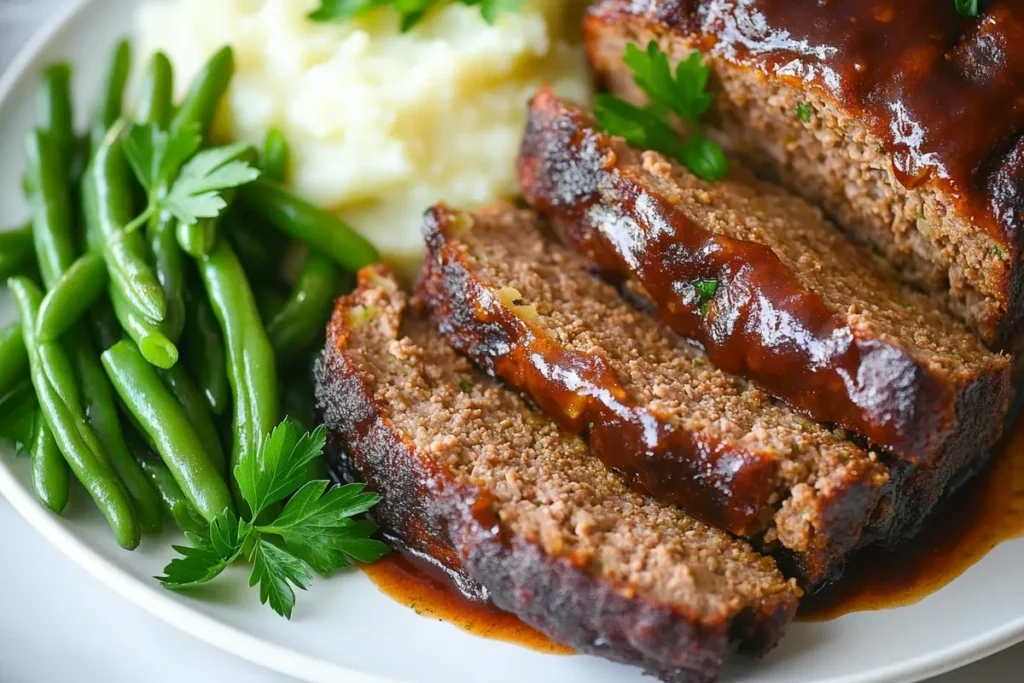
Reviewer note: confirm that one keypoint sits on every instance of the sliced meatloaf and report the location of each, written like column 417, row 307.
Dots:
column 469, row 474
column 771, row 290
column 653, row 406
column 903, row 119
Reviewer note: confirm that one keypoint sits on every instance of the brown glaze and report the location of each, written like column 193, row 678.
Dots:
column 986, row 511
column 762, row 323
column 942, row 91
column 728, row 482
column 724, row 486
column 456, row 526
column 420, row 587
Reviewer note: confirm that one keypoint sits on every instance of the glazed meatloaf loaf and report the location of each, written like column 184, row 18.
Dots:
column 469, row 475
column 771, row 290
column 652, row 405
column 902, row 118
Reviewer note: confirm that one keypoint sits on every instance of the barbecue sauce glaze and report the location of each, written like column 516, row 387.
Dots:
column 986, row 511
column 760, row 322
column 944, row 92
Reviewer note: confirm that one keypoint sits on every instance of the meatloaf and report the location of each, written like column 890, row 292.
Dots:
column 470, row 475
column 903, row 119
column 652, row 405
column 771, row 290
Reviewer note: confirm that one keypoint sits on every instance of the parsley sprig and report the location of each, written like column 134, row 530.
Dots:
column 315, row 531
column 967, row 8
column 181, row 179
column 410, row 12
column 682, row 94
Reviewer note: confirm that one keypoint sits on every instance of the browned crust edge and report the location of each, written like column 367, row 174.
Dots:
column 932, row 423
column 1002, row 183
column 429, row 513
column 677, row 469
column 453, row 294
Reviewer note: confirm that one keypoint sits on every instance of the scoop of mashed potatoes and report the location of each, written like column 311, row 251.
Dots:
column 382, row 123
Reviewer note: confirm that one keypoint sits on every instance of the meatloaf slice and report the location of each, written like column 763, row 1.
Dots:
column 470, row 475
column 771, row 290
column 902, row 119
column 653, row 406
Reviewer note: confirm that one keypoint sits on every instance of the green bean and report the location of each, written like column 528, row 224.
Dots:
column 167, row 426
column 107, row 200
column 307, row 310
column 276, row 154
column 13, row 357
column 18, row 408
column 112, row 91
column 197, row 239
column 296, row 217
column 204, row 354
column 156, row 100
column 252, row 372
column 169, row 264
column 194, row 403
column 157, row 107
column 55, row 111
column 101, row 410
column 16, row 250
column 172, row 499
column 204, row 95
column 50, row 202
column 71, row 296
column 51, row 478
column 75, row 439
column 154, row 344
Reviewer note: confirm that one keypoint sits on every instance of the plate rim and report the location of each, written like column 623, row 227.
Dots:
column 285, row 660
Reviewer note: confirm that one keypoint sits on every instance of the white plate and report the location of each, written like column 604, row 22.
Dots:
column 344, row 630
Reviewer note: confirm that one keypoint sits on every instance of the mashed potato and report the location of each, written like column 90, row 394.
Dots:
column 382, row 124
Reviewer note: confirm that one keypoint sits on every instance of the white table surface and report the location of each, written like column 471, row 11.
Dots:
column 59, row 624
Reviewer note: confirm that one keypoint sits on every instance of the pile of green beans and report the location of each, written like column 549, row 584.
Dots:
column 93, row 384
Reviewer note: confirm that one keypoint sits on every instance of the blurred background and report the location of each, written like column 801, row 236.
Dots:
column 15, row 17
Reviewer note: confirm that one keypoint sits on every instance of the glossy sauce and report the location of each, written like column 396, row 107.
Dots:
column 988, row 510
column 762, row 323
column 897, row 64
column 418, row 587
column 719, row 482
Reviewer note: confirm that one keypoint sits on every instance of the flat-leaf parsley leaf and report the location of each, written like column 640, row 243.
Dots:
column 178, row 177
column 967, row 8
column 682, row 93
column 314, row 532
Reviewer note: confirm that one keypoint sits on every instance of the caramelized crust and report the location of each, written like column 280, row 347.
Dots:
column 469, row 476
column 799, row 310
column 652, row 405
column 911, row 126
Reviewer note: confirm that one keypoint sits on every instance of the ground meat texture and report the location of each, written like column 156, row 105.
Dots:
column 794, row 306
column 653, row 406
column 471, row 476
column 900, row 118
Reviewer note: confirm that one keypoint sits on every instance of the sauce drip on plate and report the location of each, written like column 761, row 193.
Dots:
column 986, row 511
column 405, row 580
